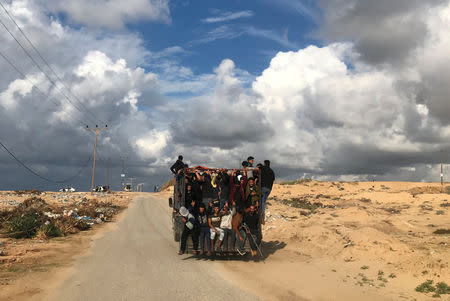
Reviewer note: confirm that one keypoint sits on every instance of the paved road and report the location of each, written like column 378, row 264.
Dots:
column 139, row 261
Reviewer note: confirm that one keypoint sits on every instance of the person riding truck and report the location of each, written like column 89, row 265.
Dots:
column 252, row 193
column 250, row 228
column 177, row 166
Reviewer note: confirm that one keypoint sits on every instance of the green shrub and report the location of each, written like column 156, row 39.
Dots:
column 294, row 182
column 447, row 189
column 442, row 288
column 426, row 287
column 24, row 226
column 51, row 230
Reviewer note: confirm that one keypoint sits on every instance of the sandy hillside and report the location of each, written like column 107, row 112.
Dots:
column 25, row 262
column 378, row 240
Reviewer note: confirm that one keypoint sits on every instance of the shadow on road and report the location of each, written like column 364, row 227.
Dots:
column 268, row 248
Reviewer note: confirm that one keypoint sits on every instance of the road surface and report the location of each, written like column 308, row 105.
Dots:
column 138, row 261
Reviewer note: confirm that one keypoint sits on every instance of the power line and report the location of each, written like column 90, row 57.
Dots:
column 40, row 176
column 46, row 75
column 43, row 59
column 31, row 82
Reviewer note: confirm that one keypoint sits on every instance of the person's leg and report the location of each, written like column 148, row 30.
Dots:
column 228, row 235
column 184, row 236
column 233, row 241
column 208, row 238
column 252, row 241
column 212, row 234
column 221, row 234
column 242, row 242
column 195, row 235
column 265, row 194
column 201, row 238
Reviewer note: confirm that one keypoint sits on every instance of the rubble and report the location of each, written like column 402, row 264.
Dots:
column 35, row 217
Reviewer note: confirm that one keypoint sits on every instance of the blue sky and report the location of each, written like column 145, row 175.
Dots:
column 248, row 32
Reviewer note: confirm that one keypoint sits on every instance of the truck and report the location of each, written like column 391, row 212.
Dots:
column 208, row 195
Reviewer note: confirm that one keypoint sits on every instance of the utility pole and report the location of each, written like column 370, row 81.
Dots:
column 131, row 179
column 122, row 175
column 442, row 172
column 96, row 130
column 107, row 172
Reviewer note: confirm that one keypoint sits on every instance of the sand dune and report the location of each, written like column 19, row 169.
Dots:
column 346, row 241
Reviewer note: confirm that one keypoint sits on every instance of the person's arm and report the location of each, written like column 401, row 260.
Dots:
column 172, row 168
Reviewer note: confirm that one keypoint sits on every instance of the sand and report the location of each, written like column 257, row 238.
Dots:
column 361, row 241
column 365, row 241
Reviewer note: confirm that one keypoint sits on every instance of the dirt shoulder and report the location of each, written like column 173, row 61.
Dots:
column 345, row 241
column 29, row 266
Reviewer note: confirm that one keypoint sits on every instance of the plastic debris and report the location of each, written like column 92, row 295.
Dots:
column 52, row 215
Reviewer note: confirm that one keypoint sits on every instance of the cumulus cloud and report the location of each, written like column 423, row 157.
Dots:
column 103, row 75
column 113, row 14
column 332, row 112
column 385, row 31
column 225, row 119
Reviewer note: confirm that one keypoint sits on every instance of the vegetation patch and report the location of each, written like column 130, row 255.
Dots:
column 426, row 190
column 32, row 191
column 24, row 226
column 299, row 181
column 447, row 189
column 445, row 204
column 441, row 288
column 442, row 231
column 49, row 230
column 302, row 203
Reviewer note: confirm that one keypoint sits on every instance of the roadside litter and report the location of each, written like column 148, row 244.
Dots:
column 34, row 217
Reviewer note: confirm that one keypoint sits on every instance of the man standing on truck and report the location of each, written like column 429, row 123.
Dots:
column 176, row 169
column 267, row 179
column 177, row 166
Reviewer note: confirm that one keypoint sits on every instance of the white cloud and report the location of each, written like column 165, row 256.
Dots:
column 228, row 16
column 281, row 39
column 114, row 14
column 152, row 144
column 219, row 33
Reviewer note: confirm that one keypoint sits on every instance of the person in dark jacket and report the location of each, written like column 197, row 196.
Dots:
column 191, row 227
column 224, row 185
column 267, row 179
column 251, row 228
column 202, row 219
column 177, row 166
column 176, row 169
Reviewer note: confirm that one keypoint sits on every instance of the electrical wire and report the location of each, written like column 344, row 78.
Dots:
column 44, row 60
column 43, row 177
column 46, row 75
column 33, row 84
